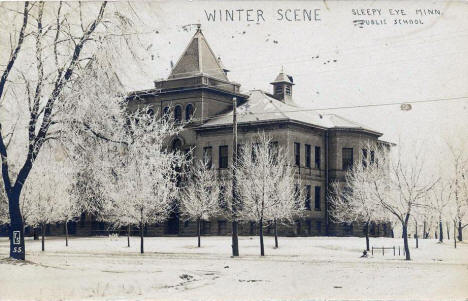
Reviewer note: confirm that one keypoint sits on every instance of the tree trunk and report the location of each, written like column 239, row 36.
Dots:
column 367, row 237
column 424, row 230
column 405, row 241
column 460, row 231
column 17, row 248
column 35, row 234
column 262, row 247
column 141, row 239
column 198, row 232
column 235, row 239
column 447, row 226
column 43, row 236
column 276, row 234
column 128, row 235
column 66, row 233
column 441, row 232
column 454, row 236
column 416, row 235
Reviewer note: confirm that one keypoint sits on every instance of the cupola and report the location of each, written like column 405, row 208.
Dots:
column 282, row 87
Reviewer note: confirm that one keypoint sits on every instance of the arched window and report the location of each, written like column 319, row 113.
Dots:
column 165, row 112
column 150, row 112
column 188, row 112
column 178, row 113
column 176, row 144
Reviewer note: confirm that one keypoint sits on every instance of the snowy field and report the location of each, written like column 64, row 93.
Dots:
column 173, row 268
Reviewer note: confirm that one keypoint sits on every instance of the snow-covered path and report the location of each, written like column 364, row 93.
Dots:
column 175, row 269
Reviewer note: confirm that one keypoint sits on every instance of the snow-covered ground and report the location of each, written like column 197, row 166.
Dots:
column 173, row 268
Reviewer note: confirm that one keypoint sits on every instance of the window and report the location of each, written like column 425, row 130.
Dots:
column 188, row 112
column 252, row 228
column 206, row 227
column 372, row 157
column 223, row 156
column 296, row 191
column 166, row 112
column 177, row 144
column 222, row 197
column 288, row 90
column 188, row 157
column 221, row 227
column 348, row 227
column 372, row 229
column 274, row 151
column 297, row 154
column 82, row 219
column 178, row 113
column 150, row 113
column 255, row 148
column 317, row 157
column 307, row 155
column 307, row 200
column 309, row 226
column 298, row 228
column 208, row 156
column 278, row 89
column 347, row 158
column 317, row 198
column 364, row 157
column 240, row 152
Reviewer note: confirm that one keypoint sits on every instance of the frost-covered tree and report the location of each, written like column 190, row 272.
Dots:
column 427, row 218
column 440, row 198
column 141, row 179
column 4, row 217
column 459, row 179
column 289, row 205
column 48, row 47
column 400, row 185
column 46, row 197
column 353, row 200
column 199, row 199
column 261, row 169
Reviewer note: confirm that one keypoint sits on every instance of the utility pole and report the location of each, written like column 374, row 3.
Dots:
column 235, row 238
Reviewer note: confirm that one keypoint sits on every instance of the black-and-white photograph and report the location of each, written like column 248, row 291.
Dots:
column 234, row 150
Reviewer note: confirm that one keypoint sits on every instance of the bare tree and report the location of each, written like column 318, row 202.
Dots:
column 200, row 197
column 263, row 166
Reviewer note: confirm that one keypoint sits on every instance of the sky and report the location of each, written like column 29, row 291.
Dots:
column 334, row 63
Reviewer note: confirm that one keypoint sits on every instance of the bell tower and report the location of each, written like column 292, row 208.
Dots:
column 282, row 87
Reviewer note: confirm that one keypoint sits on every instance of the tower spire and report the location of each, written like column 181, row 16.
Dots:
column 198, row 58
